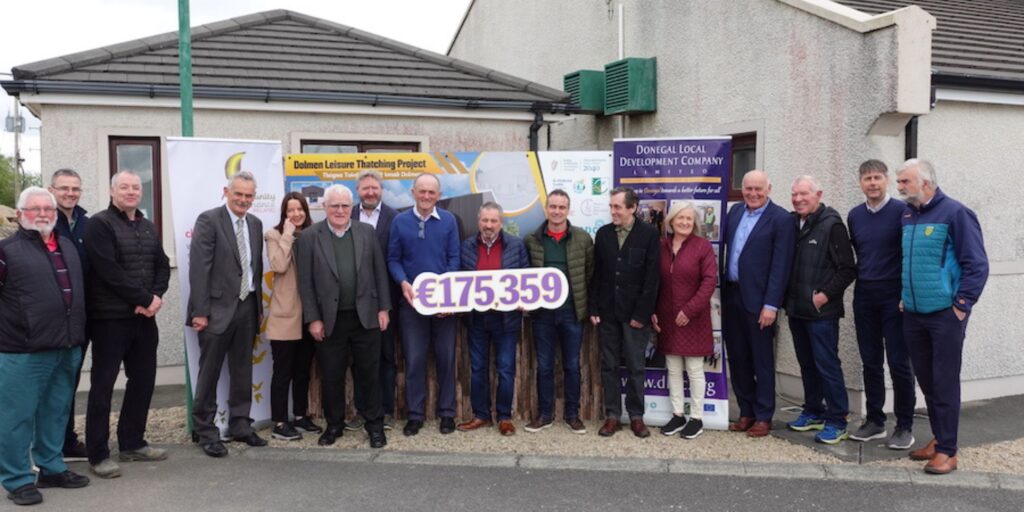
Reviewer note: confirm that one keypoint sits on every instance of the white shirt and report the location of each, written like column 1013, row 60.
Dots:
column 433, row 213
column 246, row 258
column 340, row 233
column 885, row 201
column 370, row 218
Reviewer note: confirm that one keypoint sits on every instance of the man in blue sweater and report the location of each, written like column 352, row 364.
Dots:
column 425, row 239
column 944, row 271
column 875, row 232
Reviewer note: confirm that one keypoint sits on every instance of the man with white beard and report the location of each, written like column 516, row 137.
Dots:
column 42, row 326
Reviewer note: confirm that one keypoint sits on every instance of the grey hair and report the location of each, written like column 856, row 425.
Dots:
column 806, row 178
column 370, row 173
column 65, row 171
column 491, row 205
column 242, row 176
column 33, row 192
column 925, row 170
column 340, row 190
column 674, row 211
column 118, row 174
column 767, row 179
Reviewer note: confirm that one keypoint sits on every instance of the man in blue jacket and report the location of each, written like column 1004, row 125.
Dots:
column 493, row 249
column 944, row 271
column 759, row 243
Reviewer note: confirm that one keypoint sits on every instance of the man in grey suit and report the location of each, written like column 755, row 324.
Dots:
column 343, row 282
column 225, row 270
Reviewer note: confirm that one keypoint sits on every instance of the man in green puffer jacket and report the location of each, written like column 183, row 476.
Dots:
column 558, row 244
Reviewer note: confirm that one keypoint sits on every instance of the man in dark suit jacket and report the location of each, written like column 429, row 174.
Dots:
column 760, row 238
column 625, row 287
column 373, row 211
column 225, row 274
column 343, row 282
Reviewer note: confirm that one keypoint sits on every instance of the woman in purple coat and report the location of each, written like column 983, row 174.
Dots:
column 683, row 314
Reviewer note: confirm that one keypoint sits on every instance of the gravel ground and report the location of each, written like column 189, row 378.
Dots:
column 167, row 426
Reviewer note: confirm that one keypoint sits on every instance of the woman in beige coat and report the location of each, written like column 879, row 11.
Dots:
column 290, row 343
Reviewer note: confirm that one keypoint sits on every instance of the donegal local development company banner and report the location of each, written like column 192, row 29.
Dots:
column 664, row 171
column 198, row 170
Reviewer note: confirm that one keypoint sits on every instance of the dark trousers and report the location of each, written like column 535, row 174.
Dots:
column 751, row 356
column 816, row 343
column 551, row 330
column 622, row 344
column 420, row 334
column 936, row 342
column 486, row 329
column 70, row 436
column 292, row 361
column 132, row 341
column 349, row 340
column 234, row 345
column 387, row 370
column 879, row 325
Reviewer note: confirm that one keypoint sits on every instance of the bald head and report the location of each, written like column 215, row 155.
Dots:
column 756, row 188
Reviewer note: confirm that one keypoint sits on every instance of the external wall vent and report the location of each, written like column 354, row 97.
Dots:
column 630, row 86
column 586, row 90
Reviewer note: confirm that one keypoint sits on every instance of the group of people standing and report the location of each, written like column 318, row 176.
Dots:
column 920, row 265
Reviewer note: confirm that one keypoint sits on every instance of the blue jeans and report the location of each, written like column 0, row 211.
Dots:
column 551, row 330
column 816, row 343
column 879, row 325
column 35, row 397
column 484, row 329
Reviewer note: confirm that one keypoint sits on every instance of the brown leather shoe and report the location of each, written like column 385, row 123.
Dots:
column 760, row 429
column 941, row 464
column 742, row 425
column 473, row 424
column 506, row 428
column 638, row 428
column 926, row 453
column 610, row 427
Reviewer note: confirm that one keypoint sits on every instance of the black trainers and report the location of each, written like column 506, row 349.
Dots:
column 75, row 452
column 285, row 432
column 674, row 425
column 27, row 494
column 304, row 424
column 65, row 480
column 693, row 429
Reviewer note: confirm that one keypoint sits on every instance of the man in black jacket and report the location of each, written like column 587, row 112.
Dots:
column 42, row 327
column 127, row 278
column 625, row 287
column 823, row 267
column 66, row 187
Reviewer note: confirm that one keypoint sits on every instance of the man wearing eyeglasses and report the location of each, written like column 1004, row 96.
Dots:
column 42, row 327
column 343, row 282
column 66, row 187
column 425, row 239
column 224, row 307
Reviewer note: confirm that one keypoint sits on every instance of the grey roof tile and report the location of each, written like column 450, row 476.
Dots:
column 973, row 38
column 291, row 51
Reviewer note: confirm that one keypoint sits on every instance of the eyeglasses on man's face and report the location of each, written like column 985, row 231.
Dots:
column 338, row 206
column 49, row 210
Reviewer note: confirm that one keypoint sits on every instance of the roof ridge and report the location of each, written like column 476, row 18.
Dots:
column 170, row 39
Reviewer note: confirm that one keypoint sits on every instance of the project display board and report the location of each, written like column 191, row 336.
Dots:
column 663, row 171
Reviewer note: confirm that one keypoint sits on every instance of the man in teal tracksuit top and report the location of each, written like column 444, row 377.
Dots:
column 944, row 271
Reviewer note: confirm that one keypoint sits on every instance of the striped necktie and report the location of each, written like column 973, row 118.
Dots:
column 243, row 251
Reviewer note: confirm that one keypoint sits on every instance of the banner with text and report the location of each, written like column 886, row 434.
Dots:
column 198, row 170
column 663, row 171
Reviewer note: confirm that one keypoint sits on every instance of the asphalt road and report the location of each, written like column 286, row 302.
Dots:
column 268, row 479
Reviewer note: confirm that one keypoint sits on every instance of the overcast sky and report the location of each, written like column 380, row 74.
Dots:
column 40, row 29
